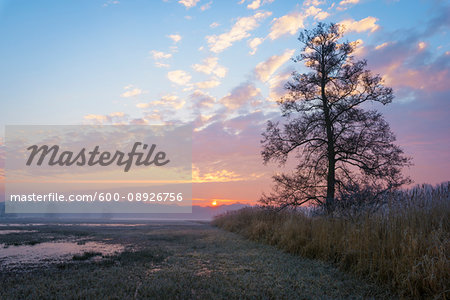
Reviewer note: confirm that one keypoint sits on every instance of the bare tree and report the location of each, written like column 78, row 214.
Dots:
column 339, row 142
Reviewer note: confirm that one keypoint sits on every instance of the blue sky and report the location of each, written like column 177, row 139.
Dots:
column 147, row 62
column 73, row 58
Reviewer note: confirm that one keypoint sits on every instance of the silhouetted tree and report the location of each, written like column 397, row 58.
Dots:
column 340, row 143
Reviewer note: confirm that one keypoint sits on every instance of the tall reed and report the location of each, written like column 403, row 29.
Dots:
column 405, row 245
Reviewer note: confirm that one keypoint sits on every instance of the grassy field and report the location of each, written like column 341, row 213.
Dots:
column 176, row 260
column 406, row 245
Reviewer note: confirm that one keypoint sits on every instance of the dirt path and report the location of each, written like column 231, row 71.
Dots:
column 224, row 265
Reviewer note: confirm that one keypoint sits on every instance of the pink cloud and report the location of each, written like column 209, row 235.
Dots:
column 240, row 95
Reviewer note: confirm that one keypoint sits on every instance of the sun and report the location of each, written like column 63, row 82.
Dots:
column 214, row 203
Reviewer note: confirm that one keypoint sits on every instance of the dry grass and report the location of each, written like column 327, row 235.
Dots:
column 405, row 246
column 177, row 260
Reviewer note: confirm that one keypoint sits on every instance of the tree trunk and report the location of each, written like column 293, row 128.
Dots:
column 331, row 180
column 329, row 204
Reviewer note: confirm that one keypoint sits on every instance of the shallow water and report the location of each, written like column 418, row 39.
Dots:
column 25, row 256
column 72, row 224
column 20, row 224
column 8, row 231
column 100, row 224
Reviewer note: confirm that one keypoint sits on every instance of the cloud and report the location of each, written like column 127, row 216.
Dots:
column 179, row 77
column 432, row 77
column 240, row 95
column 139, row 121
column 360, row 50
column 277, row 83
column 214, row 25
column 227, row 150
column 113, row 118
column 265, row 69
column 253, row 44
column 367, row 24
column 96, row 118
column 161, row 65
column 215, row 176
column 110, row 2
column 142, row 105
column 200, row 99
column 292, row 22
column 175, row 37
column 153, row 116
column 346, row 2
column 189, row 3
column 422, row 45
column 209, row 66
column 207, row 84
column 254, row 5
column 287, row 24
column 160, row 55
column 131, row 92
column 381, row 46
column 206, row 6
column 169, row 99
column 440, row 22
column 321, row 15
column 408, row 65
column 166, row 101
column 312, row 2
column 239, row 31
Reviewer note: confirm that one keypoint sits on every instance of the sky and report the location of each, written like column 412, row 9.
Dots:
column 221, row 66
